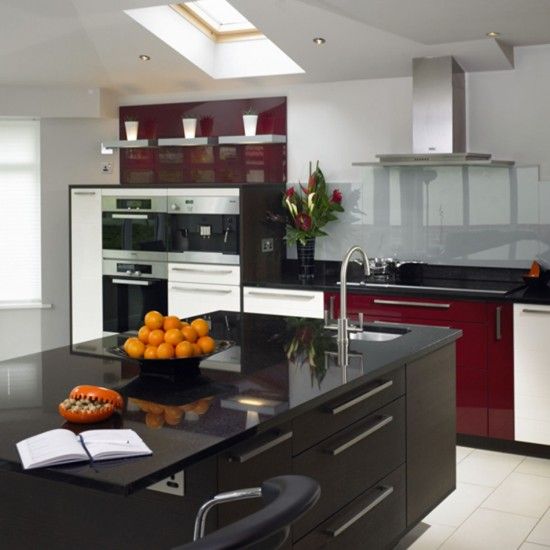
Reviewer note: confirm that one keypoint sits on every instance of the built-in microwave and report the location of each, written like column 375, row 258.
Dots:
column 134, row 226
column 204, row 227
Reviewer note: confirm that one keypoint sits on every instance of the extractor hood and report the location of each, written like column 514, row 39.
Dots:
column 439, row 118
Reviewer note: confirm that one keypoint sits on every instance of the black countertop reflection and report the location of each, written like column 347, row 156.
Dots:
column 539, row 294
column 276, row 370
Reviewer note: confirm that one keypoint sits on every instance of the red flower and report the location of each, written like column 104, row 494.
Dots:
column 312, row 183
column 303, row 222
column 336, row 197
column 289, row 193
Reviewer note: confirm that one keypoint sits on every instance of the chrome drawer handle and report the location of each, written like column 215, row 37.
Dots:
column 290, row 296
column 383, row 493
column 129, row 216
column 543, row 311
column 344, row 406
column 84, row 193
column 133, row 283
column 262, row 448
column 498, row 323
column 383, row 421
column 203, row 290
column 206, row 271
column 413, row 304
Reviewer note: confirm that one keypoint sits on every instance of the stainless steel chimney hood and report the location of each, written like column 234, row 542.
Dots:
column 439, row 118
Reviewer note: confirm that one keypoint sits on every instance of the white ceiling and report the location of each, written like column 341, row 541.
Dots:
column 93, row 43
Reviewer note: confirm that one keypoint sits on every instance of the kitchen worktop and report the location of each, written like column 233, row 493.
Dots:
column 251, row 387
column 432, row 280
column 531, row 295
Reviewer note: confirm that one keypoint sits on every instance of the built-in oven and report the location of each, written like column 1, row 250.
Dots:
column 134, row 226
column 204, row 227
column 130, row 290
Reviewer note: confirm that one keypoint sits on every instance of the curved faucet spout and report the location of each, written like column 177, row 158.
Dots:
column 344, row 277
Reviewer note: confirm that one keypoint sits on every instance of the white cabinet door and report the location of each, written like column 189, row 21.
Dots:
column 188, row 299
column 276, row 301
column 86, row 262
column 205, row 273
column 532, row 373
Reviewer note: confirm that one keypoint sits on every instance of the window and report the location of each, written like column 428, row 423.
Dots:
column 20, row 276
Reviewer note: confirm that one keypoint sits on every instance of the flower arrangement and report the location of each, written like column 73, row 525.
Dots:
column 310, row 208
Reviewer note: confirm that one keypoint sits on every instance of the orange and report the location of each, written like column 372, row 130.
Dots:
column 150, row 352
column 154, row 320
column 173, row 336
column 143, row 334
column 201, row 326
column 207, row 344
column 165, row 351
column 184, row 324
column 190, row 334
column 156, row 337
column 135, row 349
column 196, row 348
column 154, row 420
column 184, row 349
column 171, row 321
column 128, row 342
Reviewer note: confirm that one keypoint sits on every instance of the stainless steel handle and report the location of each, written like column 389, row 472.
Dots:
column 208, row 271
column 336, row 409
column 203, row 290
column 262, row 448
column 129, row 216
column 271, row 295
column 543, row 311
column 331, row 307
column 498, row 323
column 413, row 304
column 382, row 421
column 381, row 493
column 129, row 282
column 84, row 193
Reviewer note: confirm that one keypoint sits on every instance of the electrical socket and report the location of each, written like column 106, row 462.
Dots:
column 106, row 167
column 267, row 245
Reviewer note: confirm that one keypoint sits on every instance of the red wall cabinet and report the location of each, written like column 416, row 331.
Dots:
column 484, row 367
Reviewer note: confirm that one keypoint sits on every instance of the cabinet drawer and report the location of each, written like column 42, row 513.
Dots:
column 352, row 460
column 275, row 301
column 204, row 273
column 188, row 299
column 312, row 427
column 377, row 516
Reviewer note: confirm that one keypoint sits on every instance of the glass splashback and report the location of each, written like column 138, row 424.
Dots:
column 456, row 215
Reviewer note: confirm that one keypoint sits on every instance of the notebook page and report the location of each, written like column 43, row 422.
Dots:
column 102, row 444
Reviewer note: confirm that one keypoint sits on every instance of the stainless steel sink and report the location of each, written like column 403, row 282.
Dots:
column 379, row 334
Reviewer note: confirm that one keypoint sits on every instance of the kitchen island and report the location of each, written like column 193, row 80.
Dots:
column 379, row 436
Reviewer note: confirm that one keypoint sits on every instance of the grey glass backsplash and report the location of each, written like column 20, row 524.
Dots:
column 456, row 215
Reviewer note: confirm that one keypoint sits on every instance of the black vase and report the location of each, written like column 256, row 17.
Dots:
column 306, row 259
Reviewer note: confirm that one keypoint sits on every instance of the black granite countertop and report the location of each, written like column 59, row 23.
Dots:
column 532, row 295
column 428, row 280
column 263, row 380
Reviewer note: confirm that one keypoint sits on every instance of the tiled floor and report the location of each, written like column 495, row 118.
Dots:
column 501, row 502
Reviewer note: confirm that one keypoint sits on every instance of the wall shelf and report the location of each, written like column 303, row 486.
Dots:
column 187, row 142
column 125, row 144
column 260, row 139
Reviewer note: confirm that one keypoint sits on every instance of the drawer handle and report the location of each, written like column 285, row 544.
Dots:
column 382, row 421
column 252, row 453
column 84, row 193
column 129, row 216
column 382, row 493
column 529, row 310
column 203, row 290
column 131, row 283
column 498, row 323
column 205, row 271
column 413, row 304
column 290, row 296
column 344, row 406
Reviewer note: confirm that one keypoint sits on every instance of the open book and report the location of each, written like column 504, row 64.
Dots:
column 63, row 446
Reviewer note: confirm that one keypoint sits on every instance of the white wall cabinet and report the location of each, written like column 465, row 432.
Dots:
column 86, row 265
column 290, row 303
column 532, row 373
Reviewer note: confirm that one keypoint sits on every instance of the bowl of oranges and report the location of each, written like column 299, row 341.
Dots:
column 167, row 345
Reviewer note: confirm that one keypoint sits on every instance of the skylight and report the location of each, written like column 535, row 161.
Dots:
column 218, row 19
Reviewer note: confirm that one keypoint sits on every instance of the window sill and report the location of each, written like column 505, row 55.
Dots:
column 24, row 305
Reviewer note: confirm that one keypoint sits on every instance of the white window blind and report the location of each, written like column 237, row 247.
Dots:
column 20, row 267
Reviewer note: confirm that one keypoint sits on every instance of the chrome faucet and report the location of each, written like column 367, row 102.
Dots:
column 343, row 322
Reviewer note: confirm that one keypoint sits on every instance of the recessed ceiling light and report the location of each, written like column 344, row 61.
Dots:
column 144, row 57
column 493, row 34
column 318, row 40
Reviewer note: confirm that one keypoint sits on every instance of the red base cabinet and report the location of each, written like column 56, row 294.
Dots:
column 484, row 354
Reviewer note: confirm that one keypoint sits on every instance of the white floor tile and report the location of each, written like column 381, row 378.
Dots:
column 454, row 510
column 531, row 546
column 433, row 538
column 487, row 467
column 490, row 530
column 522, row 494
column 462, row 453
column 535, row 466
column 541, row 533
